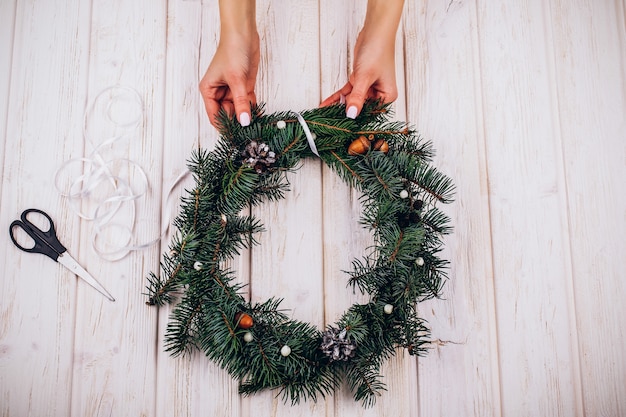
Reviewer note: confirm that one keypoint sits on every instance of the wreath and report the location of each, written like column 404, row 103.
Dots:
column 258, row 344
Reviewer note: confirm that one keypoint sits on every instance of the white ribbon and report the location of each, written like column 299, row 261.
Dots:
column 307, row 133
column 126, row 181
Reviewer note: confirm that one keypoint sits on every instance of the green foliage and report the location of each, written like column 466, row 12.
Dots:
column 399, row 193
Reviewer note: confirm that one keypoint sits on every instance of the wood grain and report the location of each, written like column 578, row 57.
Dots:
column 445, row 106
column 594, row 157
column 191, row 385
column 525, row 103
column 527, row 200
column 7, row 31
column 38, row 307
column 115, row 342
column 287, row 263
column 344, row 238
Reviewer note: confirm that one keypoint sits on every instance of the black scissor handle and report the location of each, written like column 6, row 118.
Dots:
column 46, row 242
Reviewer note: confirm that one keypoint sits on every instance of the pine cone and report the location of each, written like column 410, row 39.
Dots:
column 258, row 156
column 336, row 345
column 405, row 219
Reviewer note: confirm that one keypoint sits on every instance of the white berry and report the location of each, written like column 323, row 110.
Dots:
column 247, row 337
column 285, row 351
column 419, row 261
column 281, row 124
column 404, row 194
column 197, row 265
column 388, row 309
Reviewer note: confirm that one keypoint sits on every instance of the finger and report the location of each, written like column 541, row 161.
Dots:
column 212, row 97
column 338, row 96
column 212, row 109
column 356, row 98
column 241, row 100
column 332, row 99
column 228, row 107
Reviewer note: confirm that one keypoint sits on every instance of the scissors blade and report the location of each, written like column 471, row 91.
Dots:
column 70, row 263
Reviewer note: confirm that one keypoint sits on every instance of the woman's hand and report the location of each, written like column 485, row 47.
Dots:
column 374, row 70
column 230, row 80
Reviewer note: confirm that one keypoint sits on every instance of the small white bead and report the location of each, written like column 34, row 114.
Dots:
column 281, row 124
column 388, row 309
column 419, row 261
column 313, row 135
column 404, row 194
column 247, row 337
column 223, row 217
column 285, row 351
column 197, row 265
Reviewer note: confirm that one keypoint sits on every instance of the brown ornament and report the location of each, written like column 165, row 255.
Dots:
column 244, row 320
column 359, row 146
column 381, row 145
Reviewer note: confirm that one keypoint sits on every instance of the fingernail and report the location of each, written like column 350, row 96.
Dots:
column 351, row 113
column 244, row 119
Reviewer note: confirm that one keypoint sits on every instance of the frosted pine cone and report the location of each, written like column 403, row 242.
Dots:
column 258, row 156
column 336, row 345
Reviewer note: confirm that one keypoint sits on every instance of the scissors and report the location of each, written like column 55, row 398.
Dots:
column 47, row 243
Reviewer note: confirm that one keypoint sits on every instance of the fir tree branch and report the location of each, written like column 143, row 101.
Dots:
column 382, row 132
column 392, row 258
column 197, row 205
column 429, row 191
column 342, row 162
column 290, row 145
column 236, row 175
column 164, row 288
column 327, row 126
column 227, row 323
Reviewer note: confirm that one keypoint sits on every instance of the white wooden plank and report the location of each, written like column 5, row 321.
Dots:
column 590, row 57
column 43, row 129
column 551, row 310
column 538, row 361
column 7, row 27
column 190, row 385
column 459, row 377
column 344, row 238
column 288, row 262
column 114, row 370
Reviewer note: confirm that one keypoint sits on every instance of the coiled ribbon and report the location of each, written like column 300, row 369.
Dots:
column 103, row 188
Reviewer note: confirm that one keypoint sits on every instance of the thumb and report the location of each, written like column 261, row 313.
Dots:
column 356, row 98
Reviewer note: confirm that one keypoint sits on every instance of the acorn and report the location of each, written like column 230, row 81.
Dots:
column 244, row 320
column 359, row 146
column 381, row 145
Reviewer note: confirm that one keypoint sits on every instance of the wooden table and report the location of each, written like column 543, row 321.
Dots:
column 525, row 103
